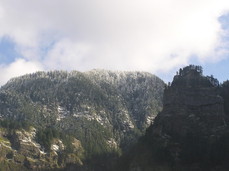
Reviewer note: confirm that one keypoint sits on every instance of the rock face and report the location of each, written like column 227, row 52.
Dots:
column 191, row 103
column 191, row 131
column 20, row 151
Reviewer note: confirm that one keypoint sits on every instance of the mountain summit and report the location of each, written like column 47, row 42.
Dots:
column 49, row 120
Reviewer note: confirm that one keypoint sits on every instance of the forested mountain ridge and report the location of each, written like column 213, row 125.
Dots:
column 104, row 111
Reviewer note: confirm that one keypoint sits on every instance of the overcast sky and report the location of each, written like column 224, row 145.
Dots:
column 157, row 36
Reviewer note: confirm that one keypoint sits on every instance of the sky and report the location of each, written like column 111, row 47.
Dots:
column 156, row 36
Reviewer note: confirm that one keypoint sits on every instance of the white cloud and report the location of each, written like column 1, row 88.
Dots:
column 17, row 68
column 66, row 54
column 151, row 35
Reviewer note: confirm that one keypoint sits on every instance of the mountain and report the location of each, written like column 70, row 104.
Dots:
column 191, row 133
column 55, row 119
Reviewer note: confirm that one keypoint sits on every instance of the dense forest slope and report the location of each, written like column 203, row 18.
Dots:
column 54, row 119
column 191, row 133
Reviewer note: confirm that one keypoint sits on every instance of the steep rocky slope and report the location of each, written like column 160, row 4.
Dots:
column 106, row 111
column 190, row 133
column 20, row 151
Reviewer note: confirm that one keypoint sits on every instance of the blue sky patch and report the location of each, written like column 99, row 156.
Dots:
column 224, row 20
column 8, row 51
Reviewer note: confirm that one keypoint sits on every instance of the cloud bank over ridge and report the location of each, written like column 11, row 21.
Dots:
column 149, row 35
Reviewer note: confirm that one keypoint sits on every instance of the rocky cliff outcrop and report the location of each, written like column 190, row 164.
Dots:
column 190, row 103
column 19, row 150
column 190, row 133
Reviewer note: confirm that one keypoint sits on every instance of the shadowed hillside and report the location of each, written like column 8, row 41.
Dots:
column 191, row 132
